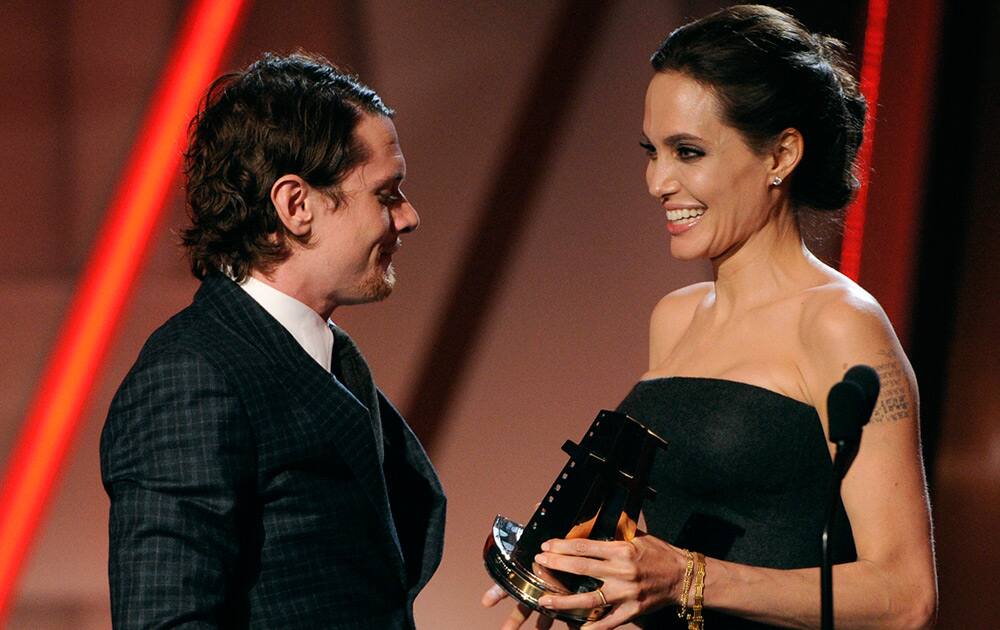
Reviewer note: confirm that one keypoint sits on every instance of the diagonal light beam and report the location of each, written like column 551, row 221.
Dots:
column 96, row 308
column 871, row 78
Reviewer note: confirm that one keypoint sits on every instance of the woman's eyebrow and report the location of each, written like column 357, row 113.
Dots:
column 679, row 138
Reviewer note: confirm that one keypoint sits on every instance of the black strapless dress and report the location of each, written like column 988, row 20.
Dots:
column 745, row 478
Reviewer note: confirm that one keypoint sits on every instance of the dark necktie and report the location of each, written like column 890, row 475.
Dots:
column 350, row 368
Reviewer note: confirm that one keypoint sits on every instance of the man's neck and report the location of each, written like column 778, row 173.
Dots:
column 295, row 285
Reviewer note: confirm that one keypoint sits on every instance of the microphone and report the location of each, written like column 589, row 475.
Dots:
column 865, row 377
column 849, row 406
column 845, row 408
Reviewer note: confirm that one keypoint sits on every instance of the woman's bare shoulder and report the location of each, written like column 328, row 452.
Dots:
column 678, row 306
column 671, row 317
column 840, row 309
column 842, row 325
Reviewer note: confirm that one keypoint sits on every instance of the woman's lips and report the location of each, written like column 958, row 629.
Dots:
column 681, row 226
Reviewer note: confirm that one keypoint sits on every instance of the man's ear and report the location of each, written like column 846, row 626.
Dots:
column 785, row 154
column 288, row 194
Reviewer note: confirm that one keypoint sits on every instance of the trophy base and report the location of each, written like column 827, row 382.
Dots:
column 521, row 582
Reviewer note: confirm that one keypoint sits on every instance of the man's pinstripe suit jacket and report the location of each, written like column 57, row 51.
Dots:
column 249, row 488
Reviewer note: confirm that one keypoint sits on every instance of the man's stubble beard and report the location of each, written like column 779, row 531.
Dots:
column 378, row 286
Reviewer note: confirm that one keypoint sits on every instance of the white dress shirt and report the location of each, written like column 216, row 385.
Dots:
column 303, row 323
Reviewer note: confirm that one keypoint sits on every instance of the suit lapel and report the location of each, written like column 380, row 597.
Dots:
column 356, row 375
column 334, row 409
column 416, row 458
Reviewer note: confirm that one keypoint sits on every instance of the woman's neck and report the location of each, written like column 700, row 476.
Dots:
column 768, row 265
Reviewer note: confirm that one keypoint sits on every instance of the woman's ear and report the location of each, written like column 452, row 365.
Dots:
column 288, row 194
column 785, row 154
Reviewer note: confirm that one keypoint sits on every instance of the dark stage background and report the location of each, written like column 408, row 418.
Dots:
column 539, row 258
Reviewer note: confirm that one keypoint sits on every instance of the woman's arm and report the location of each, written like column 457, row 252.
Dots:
column 891, row 585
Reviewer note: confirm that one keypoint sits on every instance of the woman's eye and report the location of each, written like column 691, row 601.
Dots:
column 649, row 149
column 689, row 153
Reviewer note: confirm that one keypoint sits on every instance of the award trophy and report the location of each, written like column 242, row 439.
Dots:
column 597, row 495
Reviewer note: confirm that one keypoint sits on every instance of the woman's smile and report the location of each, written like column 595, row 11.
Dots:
column 680, row 220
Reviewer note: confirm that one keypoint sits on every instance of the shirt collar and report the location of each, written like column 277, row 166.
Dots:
column 304, row 324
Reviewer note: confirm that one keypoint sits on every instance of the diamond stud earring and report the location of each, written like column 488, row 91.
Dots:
column 776, row 181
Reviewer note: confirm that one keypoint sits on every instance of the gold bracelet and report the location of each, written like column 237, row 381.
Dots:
column 686, row 584
column 695, row 620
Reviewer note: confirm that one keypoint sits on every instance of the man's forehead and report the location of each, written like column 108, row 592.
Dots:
column 377, row 131
column 385, row 161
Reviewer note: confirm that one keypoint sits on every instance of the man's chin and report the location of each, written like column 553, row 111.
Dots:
column 379, row 287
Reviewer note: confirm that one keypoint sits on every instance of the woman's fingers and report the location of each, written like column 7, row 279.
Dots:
column 600, row 549
column 620, row 613
column 572, row 564
column 543, row 622
column 516, row 618
column 638, row 575
column 518, row 615
column 590, row 599
column 618, row 560
column 617, row 617
column 493, row 596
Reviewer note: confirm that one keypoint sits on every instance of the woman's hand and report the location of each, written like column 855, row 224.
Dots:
column 639, row 576
column 494, row 595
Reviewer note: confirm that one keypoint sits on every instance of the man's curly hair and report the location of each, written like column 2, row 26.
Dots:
column 282, row 115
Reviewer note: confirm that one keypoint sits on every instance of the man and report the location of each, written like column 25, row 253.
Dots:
column 257, row 476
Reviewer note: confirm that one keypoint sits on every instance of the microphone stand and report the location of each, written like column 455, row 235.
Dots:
column 842, row 460
column 849, row 406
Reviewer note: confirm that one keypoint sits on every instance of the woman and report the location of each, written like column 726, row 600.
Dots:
column 750, row 121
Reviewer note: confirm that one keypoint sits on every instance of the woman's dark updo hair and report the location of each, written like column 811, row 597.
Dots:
column 769, row 74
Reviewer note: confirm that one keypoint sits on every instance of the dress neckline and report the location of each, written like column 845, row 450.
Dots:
column 728, row 380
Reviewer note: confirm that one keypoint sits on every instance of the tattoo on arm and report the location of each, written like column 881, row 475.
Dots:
column 895, row 400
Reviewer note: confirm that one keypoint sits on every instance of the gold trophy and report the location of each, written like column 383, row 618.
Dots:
column 597, row 495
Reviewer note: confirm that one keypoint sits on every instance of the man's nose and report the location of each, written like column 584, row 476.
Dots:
column 406, row 218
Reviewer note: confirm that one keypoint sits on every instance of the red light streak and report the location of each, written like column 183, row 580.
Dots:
column 871, row 77
column 96, row 308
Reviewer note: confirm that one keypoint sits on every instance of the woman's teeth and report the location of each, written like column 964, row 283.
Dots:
column 684, row 213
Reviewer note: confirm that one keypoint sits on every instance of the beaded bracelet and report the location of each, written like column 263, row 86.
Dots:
column 686, row 584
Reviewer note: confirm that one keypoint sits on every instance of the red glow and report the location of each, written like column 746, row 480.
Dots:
column 871, row 76
column 54, row 414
